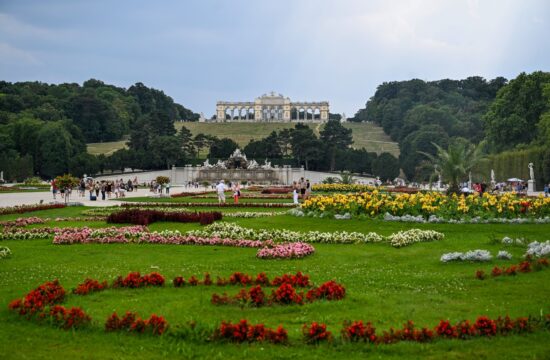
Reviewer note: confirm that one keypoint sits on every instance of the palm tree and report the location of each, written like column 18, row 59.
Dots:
column 455, row 162
column 346, row 177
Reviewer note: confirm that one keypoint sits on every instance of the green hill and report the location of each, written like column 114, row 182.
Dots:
column 367, row 135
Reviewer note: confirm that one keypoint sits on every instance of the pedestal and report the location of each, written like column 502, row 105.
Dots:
column 531, row 187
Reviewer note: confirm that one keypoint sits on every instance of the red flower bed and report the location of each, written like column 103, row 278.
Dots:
column 146, row 217
column 209, row 204
column 130, row 322
column 135, row 280
column 315, row 333
column 243, row 331
column 186, row 194
column 286, row 294
column 485, row 326
column 90, row 285
column 524, row 267
column 49, row 293
column 74, row 317
column 357, row 331
column 330, row 290
column 277, row 190
column 299, row 280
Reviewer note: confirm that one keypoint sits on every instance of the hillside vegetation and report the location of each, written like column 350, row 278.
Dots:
column 367, row 135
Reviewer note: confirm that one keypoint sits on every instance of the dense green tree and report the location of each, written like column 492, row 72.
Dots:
column 386, row 166
column 416, row 142
column 55, row 150
column 306, row 147
column 222, row 148
column 84, row 163
column 335, row 137
column 185, row 140
column 517, row 110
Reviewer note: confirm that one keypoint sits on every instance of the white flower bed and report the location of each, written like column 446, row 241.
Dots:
column 504, row 255
column 433, row 219
column 474, row 255
column 5, row 252
column 233, row 231
column 509, row 241
column 538, row 249
column 404, row 238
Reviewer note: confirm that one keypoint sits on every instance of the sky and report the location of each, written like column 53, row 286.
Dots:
column 202, row 51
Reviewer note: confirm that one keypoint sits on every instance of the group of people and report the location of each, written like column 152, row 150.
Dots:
column 221, row 189
column 301, row 189
column 106, row 188
column 157, row 188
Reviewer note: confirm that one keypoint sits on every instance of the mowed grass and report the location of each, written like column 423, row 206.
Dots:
column 369, row 136
column 106, row 148
column 384, row 285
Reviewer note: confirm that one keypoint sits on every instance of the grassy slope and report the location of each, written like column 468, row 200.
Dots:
column 365, row 135
column 384, row 285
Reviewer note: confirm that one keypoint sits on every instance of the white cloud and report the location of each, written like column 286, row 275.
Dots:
column 11, row 55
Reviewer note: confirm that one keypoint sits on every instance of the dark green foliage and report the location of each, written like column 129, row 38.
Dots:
column 416, row 112
column 222, row 148
column 517, row 110
column 48, row 126
column 386, row 166
column 335, row 137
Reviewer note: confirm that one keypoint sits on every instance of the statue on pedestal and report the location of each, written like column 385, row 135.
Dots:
column 493, row 177
column 531, row 172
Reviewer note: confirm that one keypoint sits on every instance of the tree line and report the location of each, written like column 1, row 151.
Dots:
column 497, row 114
column 44, row 128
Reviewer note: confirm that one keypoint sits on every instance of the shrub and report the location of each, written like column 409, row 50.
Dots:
column 315, row 333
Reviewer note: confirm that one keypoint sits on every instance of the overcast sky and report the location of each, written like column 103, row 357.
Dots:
column 201, row 51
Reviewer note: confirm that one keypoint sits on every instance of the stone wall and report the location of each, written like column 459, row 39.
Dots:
column 277, row 175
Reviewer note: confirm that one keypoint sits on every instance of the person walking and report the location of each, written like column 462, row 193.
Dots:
column 302, row 188
column 236, row 192
column 220, row 188
column 295, row 192
column 103, row 188
column 96, row 188
column 308, row 190
column 54, row 189
column 168, row 188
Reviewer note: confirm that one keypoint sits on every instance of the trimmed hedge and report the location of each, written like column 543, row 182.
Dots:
column 146, row 217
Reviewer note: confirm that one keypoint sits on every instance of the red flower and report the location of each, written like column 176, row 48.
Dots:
column 445, row 329
column 315, row 333
column 525, row 267
column 485, row 326
column 480, row 274
column 496, row 271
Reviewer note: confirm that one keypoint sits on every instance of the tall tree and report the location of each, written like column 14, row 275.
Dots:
column 335, row 136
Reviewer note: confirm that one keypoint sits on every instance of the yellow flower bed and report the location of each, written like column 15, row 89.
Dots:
column 374, row 203
column 342, row 188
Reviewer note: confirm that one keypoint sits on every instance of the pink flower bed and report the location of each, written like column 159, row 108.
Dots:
column 286, row 251
column 139, row 234
column 20, row 222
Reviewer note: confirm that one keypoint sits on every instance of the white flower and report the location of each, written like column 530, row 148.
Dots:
column 477, row 255
column 505, row 255
column 453, row 256
column 537, row 249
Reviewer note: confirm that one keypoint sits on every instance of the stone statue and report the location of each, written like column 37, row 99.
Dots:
column 253, row 164
column 493, row 177
column 266, row 165
column 531, row 171
column 343, row 118
column 206, row 164
column 202, row 118
column 220, row 165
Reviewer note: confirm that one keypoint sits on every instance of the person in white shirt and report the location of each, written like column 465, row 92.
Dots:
column 220, row 188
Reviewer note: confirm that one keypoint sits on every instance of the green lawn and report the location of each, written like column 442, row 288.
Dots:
column 384, row 285
column 205, row 200
column 369, row 136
